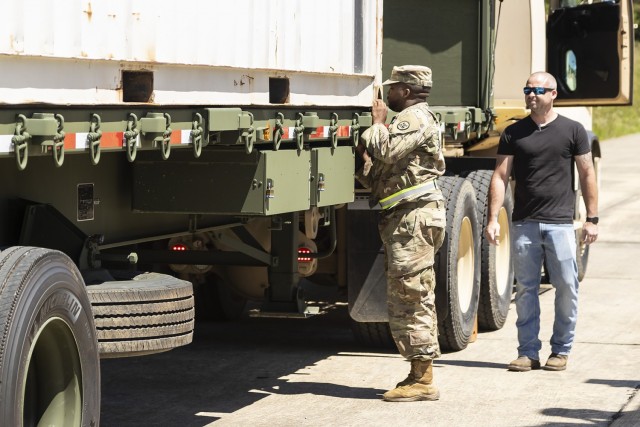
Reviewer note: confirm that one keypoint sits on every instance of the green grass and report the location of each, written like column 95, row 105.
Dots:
column 611, row 122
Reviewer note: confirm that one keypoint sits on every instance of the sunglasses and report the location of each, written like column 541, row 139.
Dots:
column 537, row 90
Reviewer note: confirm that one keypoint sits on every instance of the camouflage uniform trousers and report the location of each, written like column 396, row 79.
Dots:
column 411, row 241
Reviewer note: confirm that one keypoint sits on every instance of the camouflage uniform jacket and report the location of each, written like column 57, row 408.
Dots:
column 406, row 154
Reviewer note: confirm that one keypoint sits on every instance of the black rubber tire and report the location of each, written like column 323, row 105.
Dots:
column 148, row 314
column 49, row 363
column 216, row 301
column 457, row 322
column 496, row 275
column 373, row 334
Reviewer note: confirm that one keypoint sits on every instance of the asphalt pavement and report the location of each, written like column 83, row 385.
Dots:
column 293, row 372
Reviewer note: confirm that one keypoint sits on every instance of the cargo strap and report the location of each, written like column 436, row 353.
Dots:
column 408, row 193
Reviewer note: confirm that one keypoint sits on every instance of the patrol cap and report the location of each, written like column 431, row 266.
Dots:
column 417, row 75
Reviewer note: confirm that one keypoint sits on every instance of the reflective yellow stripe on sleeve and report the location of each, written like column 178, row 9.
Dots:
column 408, row 193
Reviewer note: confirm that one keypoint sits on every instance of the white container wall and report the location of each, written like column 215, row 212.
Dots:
column 200, row 51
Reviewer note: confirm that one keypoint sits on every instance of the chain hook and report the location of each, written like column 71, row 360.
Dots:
column 166, row 138
column 355, row 129
column 93, row 139
column 299, row 131
column 248, row 135
column 58, row 142
column 131, row 137
column 333, row 130
column 278, row 131
column 20, row 142
column 196, row 135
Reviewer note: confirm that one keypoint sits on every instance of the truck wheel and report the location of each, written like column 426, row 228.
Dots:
column 148, row 314
column 217, row 301
column 373, row 334
column 496, row 267
column 457, row 265
column 49, row 364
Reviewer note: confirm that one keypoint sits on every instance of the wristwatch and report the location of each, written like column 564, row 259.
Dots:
column 592, row 219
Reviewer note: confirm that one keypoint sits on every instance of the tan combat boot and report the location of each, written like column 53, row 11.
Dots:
column 411, row 378
column 417, row 386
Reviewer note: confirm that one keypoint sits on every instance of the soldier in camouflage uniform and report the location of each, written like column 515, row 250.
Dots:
column 401, row 165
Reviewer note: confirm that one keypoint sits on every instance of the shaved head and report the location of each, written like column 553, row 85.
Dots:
column 544, row 79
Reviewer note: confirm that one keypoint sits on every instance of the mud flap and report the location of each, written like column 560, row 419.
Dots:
column 370, row 303
column 365, row 264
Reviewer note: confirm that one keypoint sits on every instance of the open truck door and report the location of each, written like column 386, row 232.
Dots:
column 590, row 51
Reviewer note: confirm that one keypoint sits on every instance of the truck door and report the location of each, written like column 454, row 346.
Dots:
column 590, row 51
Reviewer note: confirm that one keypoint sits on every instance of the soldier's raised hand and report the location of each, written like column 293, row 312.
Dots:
column 379, row 111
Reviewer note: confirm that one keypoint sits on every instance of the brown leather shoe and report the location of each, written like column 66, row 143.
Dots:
column 524, row 364
column 556, row 362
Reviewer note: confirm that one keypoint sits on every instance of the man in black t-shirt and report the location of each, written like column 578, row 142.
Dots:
column 541, row 149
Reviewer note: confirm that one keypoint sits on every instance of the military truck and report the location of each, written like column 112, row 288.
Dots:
column 481, row 54
column 144, row 148
column 161, row 159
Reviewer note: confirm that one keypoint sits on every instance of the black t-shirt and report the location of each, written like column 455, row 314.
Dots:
column 543, row 167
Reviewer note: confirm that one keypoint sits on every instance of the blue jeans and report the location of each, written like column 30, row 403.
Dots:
column 534, row 242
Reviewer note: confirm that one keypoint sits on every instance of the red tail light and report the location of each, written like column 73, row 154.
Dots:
column 179, row 247
column 301, row 255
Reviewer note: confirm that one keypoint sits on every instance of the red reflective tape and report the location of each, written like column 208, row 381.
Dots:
column 344, row 130
column 111, row 140
column 318, row 133
column 176, row 137
column 70, row 141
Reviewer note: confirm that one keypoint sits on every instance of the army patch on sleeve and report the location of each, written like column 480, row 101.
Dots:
column 403, row 125
column 406, row 123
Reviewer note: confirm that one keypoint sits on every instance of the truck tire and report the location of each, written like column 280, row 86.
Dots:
column 49, row 363
column 373, row 334
column 148, row 314
column 496, row 266
column 457, row 265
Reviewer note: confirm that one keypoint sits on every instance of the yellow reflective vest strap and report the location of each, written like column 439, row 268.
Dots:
column 408, row 193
